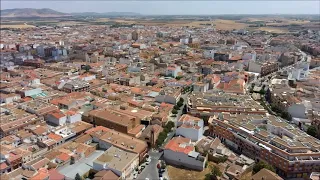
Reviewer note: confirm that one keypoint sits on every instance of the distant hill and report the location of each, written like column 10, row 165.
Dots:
column 106, row 14
column 30, row 12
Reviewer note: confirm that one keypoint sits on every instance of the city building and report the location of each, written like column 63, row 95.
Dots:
column 190, row 127
column 120, row 162
column 181, row 152
column 268, row 138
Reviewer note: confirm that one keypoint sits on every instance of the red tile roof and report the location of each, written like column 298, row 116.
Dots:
column 55, row 175
column 3, row 166
column 64, row 157
column 187, row 117
column 177, row 144
column 55, row 137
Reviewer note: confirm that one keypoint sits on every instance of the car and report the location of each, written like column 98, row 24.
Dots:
column 135, row 176
column 161, row 171
column 147, row 179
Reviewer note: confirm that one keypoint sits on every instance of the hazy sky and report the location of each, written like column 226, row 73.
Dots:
column 174, row 7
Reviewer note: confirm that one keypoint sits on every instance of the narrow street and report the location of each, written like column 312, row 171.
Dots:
column 151, row 170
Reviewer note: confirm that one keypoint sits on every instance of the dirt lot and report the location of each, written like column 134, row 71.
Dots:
column 229, row 24
column 180, row 174
column 274, row 29
column 219, row 23
column 16, row 26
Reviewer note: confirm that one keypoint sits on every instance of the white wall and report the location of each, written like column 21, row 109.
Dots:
column 191, row 133
column 178, row 158
column 254, row 67
column 74, row 118
column 297, row 110
column 53, row 120
column 32, row 92
column 103, row 144
column 209, row 54
column 166, row 99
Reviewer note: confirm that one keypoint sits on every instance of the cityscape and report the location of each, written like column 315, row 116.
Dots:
column 111, row 95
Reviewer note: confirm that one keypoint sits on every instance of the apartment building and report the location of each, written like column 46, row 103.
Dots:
column 208, row 104
column 76, row 85
column 114, row 120
column 190, row 127
column 120, row 162
column 180, row 151
column 268, row 138
column 263, row 68
column 13, row 120
column 108, row 137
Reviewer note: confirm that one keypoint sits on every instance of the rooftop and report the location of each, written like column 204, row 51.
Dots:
column 116, row 158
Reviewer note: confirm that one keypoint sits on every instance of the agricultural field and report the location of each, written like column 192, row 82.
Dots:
column 16, row 26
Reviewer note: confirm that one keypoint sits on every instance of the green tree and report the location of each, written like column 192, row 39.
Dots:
column 179, row 104
column 257, row 167
column 170, row 125
column 196, row 149
column 262, row 91
column 215, row 171
column 207, row 176
column 179, row 77
column 176, row 107
column 286, row 115
column 312, row 131
column 78, row 177
column 222, row 159
column 87, row 68
column 181, row 100
column 174, row 111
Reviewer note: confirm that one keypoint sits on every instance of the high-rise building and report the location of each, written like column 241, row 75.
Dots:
column 135, row 35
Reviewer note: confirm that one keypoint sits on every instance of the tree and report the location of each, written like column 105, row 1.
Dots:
column 179, row 104
column 174, row 111
column 257, row 167
column 78, row 177
column 286, row 115
column 207, row 176
column 196, row 149
column 176, row 107
column 179, row 77
column 262, row 91
column 181, row 100
column 87, row 68
column 312, row 131
column 215, row 171
column 170, row 125
column 222, row 159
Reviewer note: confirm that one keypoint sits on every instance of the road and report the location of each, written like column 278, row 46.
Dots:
column 266, row 78
column 151, row 170
column 175, row 119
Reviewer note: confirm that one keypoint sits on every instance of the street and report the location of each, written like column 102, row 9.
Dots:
column 151, row 170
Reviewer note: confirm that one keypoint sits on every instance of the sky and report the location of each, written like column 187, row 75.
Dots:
column 152, row 7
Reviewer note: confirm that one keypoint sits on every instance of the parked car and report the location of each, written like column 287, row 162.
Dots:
column 135, row 176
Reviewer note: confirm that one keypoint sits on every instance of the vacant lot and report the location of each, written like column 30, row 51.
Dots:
column 219, row 23
column 178, row 173
column 228, row 24
column 16, row 26
column 274, row 29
